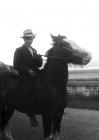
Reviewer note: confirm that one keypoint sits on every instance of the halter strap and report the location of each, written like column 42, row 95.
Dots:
column 55, row 58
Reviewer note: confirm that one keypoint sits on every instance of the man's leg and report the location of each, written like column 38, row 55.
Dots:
column 33, row 120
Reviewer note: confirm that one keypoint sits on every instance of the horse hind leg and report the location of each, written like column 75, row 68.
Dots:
column 1, row 109
column 6, row 135
column 56, row 136
column 5, row 117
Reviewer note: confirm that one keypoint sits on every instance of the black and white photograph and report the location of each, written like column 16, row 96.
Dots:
column 49, row 70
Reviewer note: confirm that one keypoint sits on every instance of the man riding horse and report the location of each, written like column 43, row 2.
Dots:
column 26, row 62
column 43, row 93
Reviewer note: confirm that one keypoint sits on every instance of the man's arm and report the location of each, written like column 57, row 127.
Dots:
column 18, row 62
column 38, row 59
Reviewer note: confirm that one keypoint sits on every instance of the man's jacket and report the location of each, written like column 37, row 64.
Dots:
column 23, row 60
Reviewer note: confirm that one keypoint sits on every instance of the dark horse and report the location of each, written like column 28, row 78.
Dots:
column 49, row 91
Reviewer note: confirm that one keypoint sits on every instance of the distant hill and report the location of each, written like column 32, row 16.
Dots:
column 84, row 74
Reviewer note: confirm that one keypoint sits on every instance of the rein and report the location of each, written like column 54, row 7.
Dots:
column 56, row 58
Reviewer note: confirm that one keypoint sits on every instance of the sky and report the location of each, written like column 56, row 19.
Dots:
column 78, row 20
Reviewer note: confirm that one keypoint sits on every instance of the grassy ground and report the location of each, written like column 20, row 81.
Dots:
column 76, row 125
column 83, row 102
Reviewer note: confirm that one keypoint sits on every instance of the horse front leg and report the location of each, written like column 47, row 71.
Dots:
column 47, row 127
column 57, row 124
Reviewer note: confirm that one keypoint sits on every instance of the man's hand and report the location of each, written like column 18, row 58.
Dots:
column 32, row 73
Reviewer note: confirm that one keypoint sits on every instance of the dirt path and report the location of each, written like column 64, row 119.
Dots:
column 76, row 125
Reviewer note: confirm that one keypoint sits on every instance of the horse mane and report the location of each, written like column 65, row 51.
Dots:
column 55, row 70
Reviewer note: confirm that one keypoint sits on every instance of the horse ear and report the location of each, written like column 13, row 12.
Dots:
column 53, row 37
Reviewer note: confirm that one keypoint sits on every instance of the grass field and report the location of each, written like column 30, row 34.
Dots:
column 76, row 125
column 21, row 129
column 83, row 102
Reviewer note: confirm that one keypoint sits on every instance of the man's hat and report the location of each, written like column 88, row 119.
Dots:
column 28, row 33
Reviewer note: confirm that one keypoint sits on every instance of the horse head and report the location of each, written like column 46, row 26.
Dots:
column 67, row 50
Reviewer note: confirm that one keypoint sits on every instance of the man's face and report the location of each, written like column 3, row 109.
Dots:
column 28, row 41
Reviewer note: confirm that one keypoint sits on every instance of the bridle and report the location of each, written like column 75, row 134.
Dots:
column 56, row 58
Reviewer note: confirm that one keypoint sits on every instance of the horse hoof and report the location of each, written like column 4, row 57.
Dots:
column 56, row 137
column 6, row 136
column 49, row 137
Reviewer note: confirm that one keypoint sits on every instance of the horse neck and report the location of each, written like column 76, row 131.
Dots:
column 57, row 72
